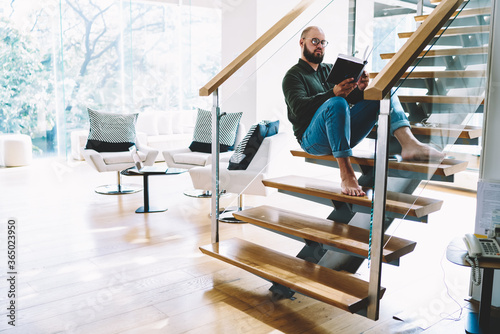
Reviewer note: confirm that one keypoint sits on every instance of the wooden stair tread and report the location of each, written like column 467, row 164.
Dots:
column 452, row 31
column 350, row 238
column 327, row 285
column 444, row 52
column 463, row 13
column 446, row 167
column 448, row 130
column 473, row 100
column 439, row 74
column 445, row 130
column 404, row 204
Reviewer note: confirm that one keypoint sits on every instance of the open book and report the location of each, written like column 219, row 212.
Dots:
column 139, row 166
column 347, row 67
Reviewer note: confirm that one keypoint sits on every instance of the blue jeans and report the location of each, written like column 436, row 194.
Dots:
column 336, row 128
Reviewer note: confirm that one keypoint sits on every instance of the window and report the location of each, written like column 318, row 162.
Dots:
column 61, row 57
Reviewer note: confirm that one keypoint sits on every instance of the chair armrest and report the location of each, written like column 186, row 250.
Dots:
column 78, row 141
column 94, row 159
column 150, row 152
column 169, row 155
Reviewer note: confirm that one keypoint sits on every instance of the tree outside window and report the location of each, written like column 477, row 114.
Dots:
column 60, row 57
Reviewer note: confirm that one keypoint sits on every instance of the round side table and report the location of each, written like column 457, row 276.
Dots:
column 146, row 172
column 482, row 322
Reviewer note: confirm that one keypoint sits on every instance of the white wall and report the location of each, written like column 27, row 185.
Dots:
column 364, row 27
column 490, row 157
column 239, row 31
column 284, row 51
column 256, row 87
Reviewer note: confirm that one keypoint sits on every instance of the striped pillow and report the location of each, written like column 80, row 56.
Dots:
column 202, row 137
column 111, row 132
column 249, row 145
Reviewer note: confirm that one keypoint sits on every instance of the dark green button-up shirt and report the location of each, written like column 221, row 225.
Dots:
column 305, row 90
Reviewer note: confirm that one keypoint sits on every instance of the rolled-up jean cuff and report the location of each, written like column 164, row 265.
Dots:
column 343, row 154
column 399, row 124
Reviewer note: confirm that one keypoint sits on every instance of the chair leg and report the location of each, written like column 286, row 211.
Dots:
column 227, row 216
column 119, row 188
column 199, row 193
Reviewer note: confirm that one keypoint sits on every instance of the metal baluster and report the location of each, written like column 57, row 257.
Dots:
column 215, row 167
column 379, row 199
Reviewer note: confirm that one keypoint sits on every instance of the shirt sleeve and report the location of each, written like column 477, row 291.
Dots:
column 297, row 99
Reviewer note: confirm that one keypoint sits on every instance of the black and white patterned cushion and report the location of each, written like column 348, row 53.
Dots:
column 249, row 145
column 202, row 137
column 111, row 132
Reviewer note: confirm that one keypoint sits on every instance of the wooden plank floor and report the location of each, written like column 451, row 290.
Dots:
column 87, row 263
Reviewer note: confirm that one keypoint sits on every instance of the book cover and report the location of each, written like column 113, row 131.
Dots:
column 346, row 67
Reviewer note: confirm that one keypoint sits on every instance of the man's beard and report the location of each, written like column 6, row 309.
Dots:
column 312, row 58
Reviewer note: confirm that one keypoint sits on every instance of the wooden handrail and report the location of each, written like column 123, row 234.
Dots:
column 410, row 51
column 252, row 50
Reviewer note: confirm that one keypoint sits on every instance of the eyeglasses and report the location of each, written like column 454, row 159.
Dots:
column 316, row 41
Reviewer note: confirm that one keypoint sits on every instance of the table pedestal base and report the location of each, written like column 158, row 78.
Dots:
column 150, row 209
column 146, row 208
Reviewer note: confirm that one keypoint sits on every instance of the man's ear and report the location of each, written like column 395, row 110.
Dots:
column 301, row 42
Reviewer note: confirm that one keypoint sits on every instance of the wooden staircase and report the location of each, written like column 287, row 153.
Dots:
column 314, row 271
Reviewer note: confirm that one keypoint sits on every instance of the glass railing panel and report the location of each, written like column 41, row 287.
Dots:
column 443, row 96
column 256, row 90
column 457, row 61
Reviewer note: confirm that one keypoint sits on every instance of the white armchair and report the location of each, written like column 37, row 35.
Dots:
column 118, row 161
column 187, row 159
column 249, row 181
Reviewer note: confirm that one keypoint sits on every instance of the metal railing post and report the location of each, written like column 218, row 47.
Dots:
column 419, row 10
column 215, row 167
column 351, row 30
column 420, row 7
column 379, row 199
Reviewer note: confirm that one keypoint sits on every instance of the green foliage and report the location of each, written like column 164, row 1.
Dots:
column 25, row 90
column 100, row 54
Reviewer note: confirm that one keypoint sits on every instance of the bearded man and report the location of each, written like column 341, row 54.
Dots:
column 332, row 119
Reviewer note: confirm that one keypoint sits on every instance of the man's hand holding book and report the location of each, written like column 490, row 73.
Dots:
column 345, row 87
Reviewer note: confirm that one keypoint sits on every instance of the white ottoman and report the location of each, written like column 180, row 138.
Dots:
column 15, row 150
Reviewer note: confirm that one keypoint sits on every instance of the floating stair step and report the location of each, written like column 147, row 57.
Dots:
column 324, row 231
column 471, row 100
column 453, row 31
column 447, row 130
column 444, row 52
column 339, row 289
column 439, row 74
column 446, row 167
column 463, row 13
column 404, row 204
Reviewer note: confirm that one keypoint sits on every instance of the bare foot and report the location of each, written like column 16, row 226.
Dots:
column 349, row 183
column 421, row 152
column 412, row 149
column 351, row 187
